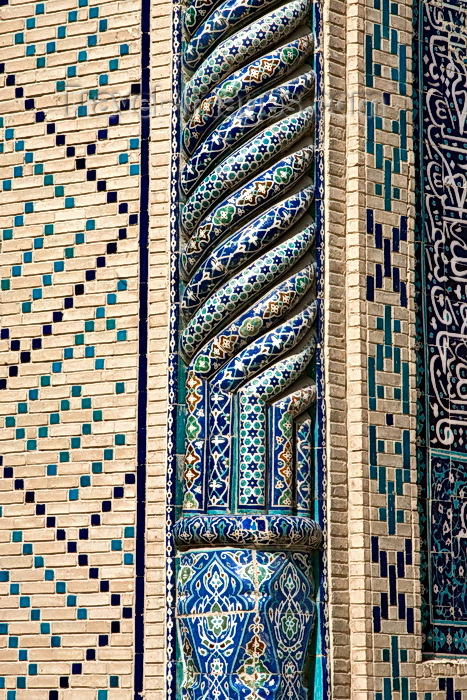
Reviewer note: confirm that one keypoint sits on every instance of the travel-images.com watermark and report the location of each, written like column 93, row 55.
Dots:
column 80, row 102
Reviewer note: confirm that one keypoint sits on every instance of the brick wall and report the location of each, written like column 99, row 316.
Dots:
column 84, row 464
column 70, row 177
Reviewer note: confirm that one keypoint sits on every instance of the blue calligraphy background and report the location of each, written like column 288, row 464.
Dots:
column 441, row 135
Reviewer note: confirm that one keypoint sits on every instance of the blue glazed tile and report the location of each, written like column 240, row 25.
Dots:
column 235, row 339
column 220, row 24
column 261, row 190
column 244, row 122
column 244, row 83
column 245, row 44
column 240, row 290
column 215, row 582
column 243, row 245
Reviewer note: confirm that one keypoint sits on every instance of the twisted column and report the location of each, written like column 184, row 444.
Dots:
column 248, row 308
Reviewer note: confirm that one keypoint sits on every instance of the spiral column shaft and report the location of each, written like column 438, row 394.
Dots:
column 245, row 594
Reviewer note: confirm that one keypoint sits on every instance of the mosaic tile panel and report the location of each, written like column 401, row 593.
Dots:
column 244, row 214
column 221, row 196
column 441, row 243
column 258, row 643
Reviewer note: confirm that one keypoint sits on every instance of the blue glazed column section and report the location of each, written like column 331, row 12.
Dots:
column 248, row 337
column 245, row 605
column 245, row 620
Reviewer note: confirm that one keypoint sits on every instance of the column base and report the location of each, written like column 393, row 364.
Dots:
column 245, row 619
column 243, row 530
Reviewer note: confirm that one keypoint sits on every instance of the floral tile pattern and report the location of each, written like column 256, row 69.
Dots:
column 245, row 619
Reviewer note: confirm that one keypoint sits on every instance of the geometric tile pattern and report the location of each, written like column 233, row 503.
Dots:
column 390, row 297
column 388, row 113
column 70, row 152
column 390, row 110
column 70, row 190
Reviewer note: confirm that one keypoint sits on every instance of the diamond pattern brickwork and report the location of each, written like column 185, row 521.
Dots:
column 69, row 210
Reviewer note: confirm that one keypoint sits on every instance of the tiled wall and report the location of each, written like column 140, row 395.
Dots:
column 383, row 652
column 391, row 629
column 72, row 171
column 74, row 279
